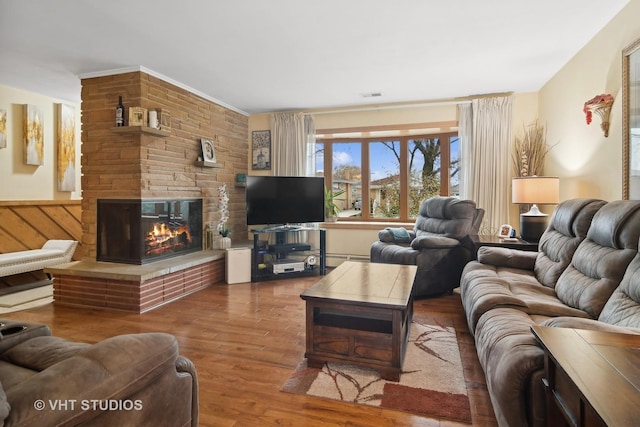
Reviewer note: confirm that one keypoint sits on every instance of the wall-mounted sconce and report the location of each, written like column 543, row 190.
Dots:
column 601, row 105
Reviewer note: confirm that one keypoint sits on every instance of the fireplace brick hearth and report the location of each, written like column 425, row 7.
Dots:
column 135, row 288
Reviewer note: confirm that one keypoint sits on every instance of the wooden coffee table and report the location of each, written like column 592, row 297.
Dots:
column 360, row 314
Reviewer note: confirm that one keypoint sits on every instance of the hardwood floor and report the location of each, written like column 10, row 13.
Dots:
column 245, row 340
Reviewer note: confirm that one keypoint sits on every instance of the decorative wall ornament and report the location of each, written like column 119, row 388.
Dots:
column 261, row 150
column 33, row 135
column 66, row 148
column 601, row 105
column 3, row 128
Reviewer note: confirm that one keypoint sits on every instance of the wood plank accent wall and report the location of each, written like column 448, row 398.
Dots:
column 29, row 224
column 136, row 165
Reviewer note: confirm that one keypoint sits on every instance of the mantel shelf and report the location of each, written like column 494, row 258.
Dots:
column 141, row 129
column 208, row 164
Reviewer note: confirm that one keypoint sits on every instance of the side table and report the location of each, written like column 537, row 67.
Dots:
column 591, row 378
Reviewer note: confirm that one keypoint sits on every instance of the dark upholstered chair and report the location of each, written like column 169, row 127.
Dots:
column 439, row 244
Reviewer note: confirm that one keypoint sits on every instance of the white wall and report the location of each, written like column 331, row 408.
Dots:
column 588, row 164
column 29, row 182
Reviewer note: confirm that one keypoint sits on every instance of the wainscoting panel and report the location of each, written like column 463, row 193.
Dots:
column 29, row 224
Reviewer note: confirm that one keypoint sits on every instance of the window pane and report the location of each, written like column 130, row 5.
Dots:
column 319, row 159
column 424, row 171
column 384, row 179
column 454, row 166
column 347, row 176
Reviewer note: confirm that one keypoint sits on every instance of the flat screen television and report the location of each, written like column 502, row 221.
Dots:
column 282, row 200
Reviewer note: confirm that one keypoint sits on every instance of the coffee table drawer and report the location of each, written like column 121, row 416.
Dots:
column 352, row 343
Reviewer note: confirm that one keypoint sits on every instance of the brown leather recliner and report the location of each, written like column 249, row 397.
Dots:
column 137, row 379
column 439, row 244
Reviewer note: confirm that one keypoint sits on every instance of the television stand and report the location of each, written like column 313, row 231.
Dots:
column 271, row 247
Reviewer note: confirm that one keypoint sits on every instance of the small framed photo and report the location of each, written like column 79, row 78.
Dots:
column 261, row 150
column 137, row 116
column 208, row 152
column 164, row 118
column 504, row 232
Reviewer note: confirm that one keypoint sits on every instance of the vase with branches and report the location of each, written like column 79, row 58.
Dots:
column 224, row 216
column 530, row 150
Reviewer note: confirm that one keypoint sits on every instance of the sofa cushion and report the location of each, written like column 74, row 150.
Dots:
column 599, row 263
column 510, row 258
column 40, row 353
column 446, row 216
column 623, row 307
column 567, row 228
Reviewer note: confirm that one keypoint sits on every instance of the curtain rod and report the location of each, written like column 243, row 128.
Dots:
column 390, row 107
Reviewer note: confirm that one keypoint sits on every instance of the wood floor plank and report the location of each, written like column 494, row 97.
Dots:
column 245, row 340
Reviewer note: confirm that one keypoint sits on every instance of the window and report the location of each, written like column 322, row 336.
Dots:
column 385, row 179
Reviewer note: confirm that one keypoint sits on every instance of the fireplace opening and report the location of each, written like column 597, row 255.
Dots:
column 142, row 231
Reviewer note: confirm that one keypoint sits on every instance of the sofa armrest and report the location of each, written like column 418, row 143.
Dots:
column 590, row 324
column 14, row 332
column 113, row 369
column 504, row 257
column 434, row 242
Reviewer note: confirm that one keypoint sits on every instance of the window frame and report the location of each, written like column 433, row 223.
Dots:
column 445, row 168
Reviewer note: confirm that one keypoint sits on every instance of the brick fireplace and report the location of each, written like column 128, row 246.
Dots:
column 136, row 165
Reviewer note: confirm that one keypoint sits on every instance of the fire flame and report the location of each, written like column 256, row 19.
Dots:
column 162, row 235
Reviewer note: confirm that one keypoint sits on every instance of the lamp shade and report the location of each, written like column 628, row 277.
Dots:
column 540, row 190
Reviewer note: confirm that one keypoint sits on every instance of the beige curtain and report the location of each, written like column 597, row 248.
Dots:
column 486, row 171
column 467, row 161
column 293, row 138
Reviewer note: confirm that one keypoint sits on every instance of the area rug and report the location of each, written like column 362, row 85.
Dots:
column 431, row 384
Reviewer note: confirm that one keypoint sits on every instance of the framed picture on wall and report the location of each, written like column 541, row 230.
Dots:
column 208, row 152
column 66, row 132
column 33, row 135
column 261, row 150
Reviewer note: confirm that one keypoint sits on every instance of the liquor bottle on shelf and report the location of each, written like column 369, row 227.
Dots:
column 119, row 113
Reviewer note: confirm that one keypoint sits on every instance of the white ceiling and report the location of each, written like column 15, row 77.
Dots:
column 272, row 55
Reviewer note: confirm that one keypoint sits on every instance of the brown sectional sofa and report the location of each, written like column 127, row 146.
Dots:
column 137, row 379
column 585, row 275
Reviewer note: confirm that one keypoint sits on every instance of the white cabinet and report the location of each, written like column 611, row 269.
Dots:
column 238, row 265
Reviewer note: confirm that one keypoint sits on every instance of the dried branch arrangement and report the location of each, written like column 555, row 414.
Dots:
column 530, row 149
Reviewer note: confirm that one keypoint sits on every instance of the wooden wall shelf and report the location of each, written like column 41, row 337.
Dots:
column 208, row 164
column 141, row 129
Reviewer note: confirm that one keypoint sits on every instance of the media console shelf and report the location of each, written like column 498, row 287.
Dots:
column 284, row 252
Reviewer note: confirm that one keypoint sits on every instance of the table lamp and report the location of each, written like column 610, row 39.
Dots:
column 534, row 190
